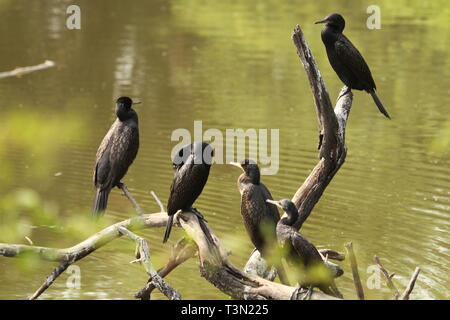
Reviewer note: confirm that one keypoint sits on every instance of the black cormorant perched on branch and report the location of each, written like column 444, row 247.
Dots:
column 260, row 218
column 191, row 164
column 346, row 60
column 302, row 255
column 116, row 153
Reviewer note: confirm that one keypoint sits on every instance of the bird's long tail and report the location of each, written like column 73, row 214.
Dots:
column 202, row 222
column 168, row 229
column 379, row 104
column 100, row 202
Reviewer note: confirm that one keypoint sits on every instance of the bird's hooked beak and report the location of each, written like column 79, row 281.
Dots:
column 236, row 164
column 277, row 203
column 321, row 21
column 136, row 102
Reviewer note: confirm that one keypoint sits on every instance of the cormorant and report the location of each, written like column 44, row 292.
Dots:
column 260, row 218
column 302, row 255
column 191, row 164
column 116, row 153
column 346, row 60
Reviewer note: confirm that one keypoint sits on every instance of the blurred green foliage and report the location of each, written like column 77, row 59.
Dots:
column 33, row 140
column 24, row 211
column 20, row 211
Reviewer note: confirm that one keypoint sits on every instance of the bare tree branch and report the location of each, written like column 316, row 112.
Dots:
column 182, row 251
column 410, row 287
column 136, row 205
column 161, row 207
column 20, row 71
column 332, row 254
column 354, row 266
column 388, row 278
column 332, row 133
column 143, row 256
column 89, row 245
column 50, row 279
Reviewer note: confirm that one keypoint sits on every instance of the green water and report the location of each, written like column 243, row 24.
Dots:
column 230, row 64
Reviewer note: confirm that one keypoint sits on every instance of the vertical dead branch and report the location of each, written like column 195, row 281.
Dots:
column 410, row 287
column 332, row 133
column 388, row 278
column 355, row 273
column 130, row 197
column 326, row 118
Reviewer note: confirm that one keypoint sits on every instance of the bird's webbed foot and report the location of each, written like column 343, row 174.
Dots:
column 198, row 214
column 300, row 292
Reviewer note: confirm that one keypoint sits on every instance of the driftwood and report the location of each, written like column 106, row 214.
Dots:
column 255, row 282
column 20, row 71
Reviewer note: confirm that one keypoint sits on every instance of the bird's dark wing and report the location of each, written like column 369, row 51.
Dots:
column 115, row 154
column 124, row 149
column 102, row 166
column 352, row 59
column 173, row 202
column 251, row 211
column 251, row 205
column 272, row 211
column 305, row 249
column 186, row 187
column 259, row 217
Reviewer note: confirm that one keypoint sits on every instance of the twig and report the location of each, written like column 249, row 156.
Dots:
column 332, row 254
column 19, row 71
column 161, row 207
column 143, row 256
column 29, row 241
column 410, row 287
column 134, row 203
column 50, row 279
column 388, row 278
column 182, row 251
column 355, row 273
